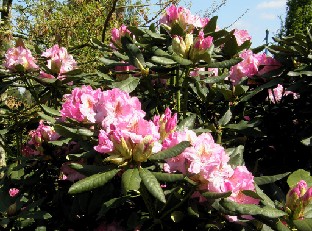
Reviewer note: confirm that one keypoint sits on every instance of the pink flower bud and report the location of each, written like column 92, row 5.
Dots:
column 13, row 192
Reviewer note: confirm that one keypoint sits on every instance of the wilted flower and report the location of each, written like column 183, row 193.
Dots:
column 20, row 59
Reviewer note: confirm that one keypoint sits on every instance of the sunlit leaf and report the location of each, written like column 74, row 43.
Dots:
column 128, row 85
column 130, row 180
column 92, row 182
column 152, row 184
column 170, row 152
column 269, row 179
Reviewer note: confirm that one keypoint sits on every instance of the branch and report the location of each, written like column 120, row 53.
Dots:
column 109, row 15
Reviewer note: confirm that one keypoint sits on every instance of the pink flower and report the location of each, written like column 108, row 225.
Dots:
column 13, row 192
column 105, row 144
column 277, row 94
column 241, row 36
column 266, row 63
column 166, row 123
column 182, row 17
column 59, row 61
column 118, row 33
column 20, row 57
column 201, row 43
column 246, row 68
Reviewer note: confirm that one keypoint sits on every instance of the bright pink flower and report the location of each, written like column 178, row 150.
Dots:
column 59, row 61
column 266, row 63
column 105, row 144
column 17, row 57
column 246, row 68
column 241, row 36
column 277, row 94
column 166, row 123
column 13, row 192
column 201, row 43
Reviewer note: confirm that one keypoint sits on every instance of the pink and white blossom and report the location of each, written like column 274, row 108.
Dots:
column 20, row 57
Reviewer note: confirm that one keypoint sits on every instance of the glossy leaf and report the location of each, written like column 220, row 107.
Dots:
column 92, row 182
column 251, row 209
column 168, row 177
column 130, row 180
column 152, row 184
column 90, row 170
column 163, row 60
column 225, row 118
column 188, row 122
column 170, row 152
column 111, row 204
column 50, row 111
column 211, row 26
column 128, row 85
column 214, row 195
column 303, row 225
column 261, row 180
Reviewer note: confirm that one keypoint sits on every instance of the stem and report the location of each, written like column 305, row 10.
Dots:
column 178, row 93
column 185, row 91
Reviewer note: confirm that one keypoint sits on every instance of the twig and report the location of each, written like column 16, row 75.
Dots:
column 109, row 15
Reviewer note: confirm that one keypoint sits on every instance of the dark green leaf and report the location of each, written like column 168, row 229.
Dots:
column 89, row 170
column 135, row 56
column 188, row 122
column 130, row 180
column 170, row 152
column 168, row 177
column 265, row 199
column 225, row 118
column 50, row 111
column 46, row 117
column 236, row 155
column 214, row 195
column 61, row 142
column 152, row 184
column 128, row 85
column 303, row 225
column 261, row 180
column 162, row 60
column 92, row 182
column 252, row 194
column 180, row 60
column 111, row 204
column 211, row 26
column 251, row 209
column 215, row 79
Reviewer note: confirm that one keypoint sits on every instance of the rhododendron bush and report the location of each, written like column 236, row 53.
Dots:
column 184, row 126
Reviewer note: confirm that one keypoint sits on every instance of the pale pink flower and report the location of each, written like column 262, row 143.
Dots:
column 241, row 36
column 17, row 57
column 182, row 17
column 105, row 145
column 13, row 192
column 276, row 94
column 59, row 61
column 69, row 173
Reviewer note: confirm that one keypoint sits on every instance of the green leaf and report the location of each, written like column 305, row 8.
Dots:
column 236, row 155
column 3, row 131
column 130, row 180
column 307, row 141
column 252, row 194
column 50, row 111
column 261, row 180
column 135, row 56
column 111, row 204
column 46, row 117
column 188, row 122
column 152, row 184
column 303, row 225
column 281, row 227
column 60, row 142
column 251, row 209
column 180, row 60
column 215, row 79
column 211, row 26
column 170, row 152
column 298, row 175
column 72, row 132
column 225, row 118
column 89, row 170
column 168, row 177
column 128, row 85
column 265, row 199
column 92, row 182
column 270, row 84
column 163, row 60
column 214, row 195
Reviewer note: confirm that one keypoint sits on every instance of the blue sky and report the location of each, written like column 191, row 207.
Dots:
column 261, row 15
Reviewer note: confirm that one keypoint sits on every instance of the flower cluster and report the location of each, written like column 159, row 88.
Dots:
column 182, row 17
column 20, row 59
column 297, row 199
column 43, row 133
column 252, row 64
column 124, row 134
column 276, row 94
column 206, row 163
column 59, row 62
